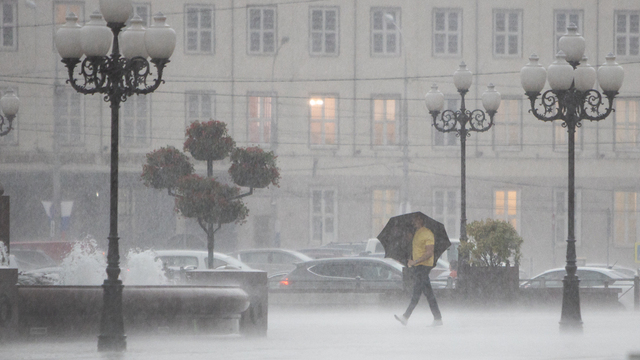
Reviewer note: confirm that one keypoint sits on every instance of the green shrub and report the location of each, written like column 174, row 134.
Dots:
column 492, row 243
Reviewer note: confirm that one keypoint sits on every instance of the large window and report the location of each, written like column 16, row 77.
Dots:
column 385, row 205
column 323, row 123
column 323, row 32
column 562, row 19
column 135, row 119
column 200, row 106
column 626, row 120
column 385, row 116
column 9, row 25
column 507, row 32
column 447, row 138
column 262, row 29
column 507, row 207
column 68, row 110
column 199, row 34
column 627, row 33
column 385, row 31
column 447, row 32
column 507, row 127
column 261, row 115
column 561, row 217
column 625, row 218
column 446, row 209
column 324, row 205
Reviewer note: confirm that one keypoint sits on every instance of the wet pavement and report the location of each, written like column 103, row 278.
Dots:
column 371, row 332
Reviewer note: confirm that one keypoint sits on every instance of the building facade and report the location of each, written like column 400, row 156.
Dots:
column 336, row 89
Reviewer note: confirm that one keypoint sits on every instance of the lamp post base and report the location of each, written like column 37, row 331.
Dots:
column 112, row 336
column 571, row 320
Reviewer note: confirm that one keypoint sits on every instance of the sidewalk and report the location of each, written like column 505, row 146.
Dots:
column 371, row 332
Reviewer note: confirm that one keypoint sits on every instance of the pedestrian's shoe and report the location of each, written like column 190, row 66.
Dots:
column 403, row 320
column 437, row 322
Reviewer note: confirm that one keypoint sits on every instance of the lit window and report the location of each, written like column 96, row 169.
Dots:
column 323, row 122
column 260, row 119
column 447, row 32
column 507, row 207
column 627, row 131
column 625, row 218
column 385, row 121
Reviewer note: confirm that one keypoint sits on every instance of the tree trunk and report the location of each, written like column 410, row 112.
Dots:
column 210, row 239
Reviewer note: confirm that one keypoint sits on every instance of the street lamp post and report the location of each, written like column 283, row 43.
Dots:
column 119, row 75
column 462, row 122
column 571, row 100
column 10, row 105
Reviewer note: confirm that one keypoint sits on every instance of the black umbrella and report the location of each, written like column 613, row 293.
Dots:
column 397, row 237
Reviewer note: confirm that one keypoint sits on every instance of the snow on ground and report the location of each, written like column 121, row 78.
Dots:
column 371, row 332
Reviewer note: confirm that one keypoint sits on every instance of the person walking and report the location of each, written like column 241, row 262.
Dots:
column 421, row 263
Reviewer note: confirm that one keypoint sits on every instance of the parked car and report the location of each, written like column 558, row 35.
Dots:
column 589, row 277
column 348, row 274
column 27, row 260
column 271, row 260
column 197, row 259
column 324, row 252
column 627, row 272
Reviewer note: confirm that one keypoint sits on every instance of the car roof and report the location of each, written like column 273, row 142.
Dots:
column 605, row 271
column 298, row 254
column 361, row 259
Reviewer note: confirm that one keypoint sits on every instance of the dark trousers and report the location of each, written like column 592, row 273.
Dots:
column 422, row 284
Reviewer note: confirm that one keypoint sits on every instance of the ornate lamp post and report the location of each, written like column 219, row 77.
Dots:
column 571, row 100
column 119, row 75
column 10, row 105
column 463, row 122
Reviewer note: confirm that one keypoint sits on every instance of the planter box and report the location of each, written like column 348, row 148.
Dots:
column 8, row 303
column 489, row 285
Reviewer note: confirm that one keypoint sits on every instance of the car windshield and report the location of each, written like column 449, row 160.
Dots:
column 228, row 261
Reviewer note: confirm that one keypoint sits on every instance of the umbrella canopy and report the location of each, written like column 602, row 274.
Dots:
column 397, row 237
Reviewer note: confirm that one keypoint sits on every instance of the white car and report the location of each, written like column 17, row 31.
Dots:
column 197, row 259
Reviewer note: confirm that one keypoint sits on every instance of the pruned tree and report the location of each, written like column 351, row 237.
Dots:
column 205, row 199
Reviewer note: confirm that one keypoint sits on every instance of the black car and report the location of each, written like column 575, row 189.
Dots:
column 348, row 274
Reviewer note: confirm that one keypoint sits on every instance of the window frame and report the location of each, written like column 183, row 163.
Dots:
column 385, row 123
column 568, row 13
column 435, row 32
column 627, row 129
column 271, row 120
column 313, row 214
column 199, row 94
column 14, row 26
column 518, row 123
column 199, row 30
column 627, row 34
column 385, row 32
column 389, row 197
column 446, row 216
column 324, row 32
column 563, row 216
column 262, row 31
column 149, row 15
column 506, row 216
column 507, row 33
column 324, row 121
column 628, row 243
column 450, row 138
column 68, row 93
column 124, row 138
